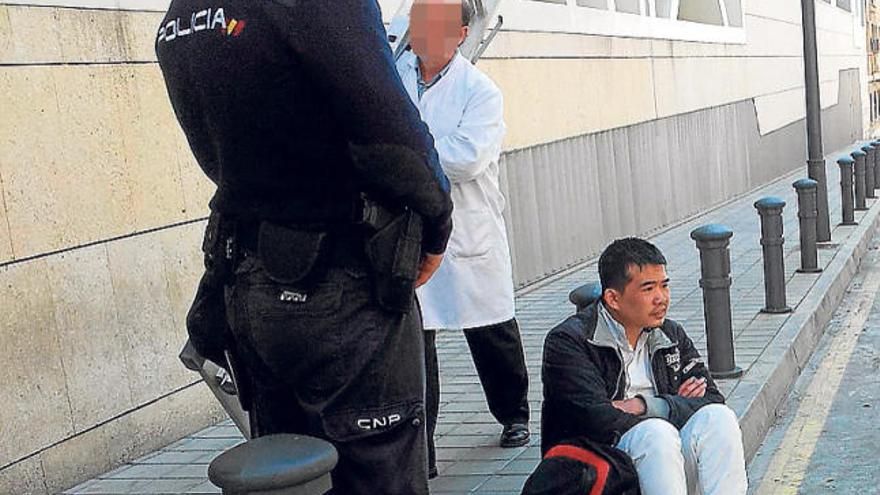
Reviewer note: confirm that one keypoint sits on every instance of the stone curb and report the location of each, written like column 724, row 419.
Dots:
column 758, row 397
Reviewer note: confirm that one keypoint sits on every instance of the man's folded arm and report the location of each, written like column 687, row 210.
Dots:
column 574, row 384
column 682, row 408
column 655, row 407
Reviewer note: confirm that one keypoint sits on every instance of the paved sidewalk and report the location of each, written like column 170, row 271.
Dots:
column 469, row 459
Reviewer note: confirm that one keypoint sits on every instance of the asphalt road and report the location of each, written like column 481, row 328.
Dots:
column 827, row 439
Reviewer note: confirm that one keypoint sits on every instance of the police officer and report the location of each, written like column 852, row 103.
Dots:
column 330, row 207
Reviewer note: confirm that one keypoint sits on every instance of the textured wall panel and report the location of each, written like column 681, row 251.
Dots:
column 83, row 166
column 569, row 198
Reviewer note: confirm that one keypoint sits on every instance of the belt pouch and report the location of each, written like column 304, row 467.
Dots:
column 290, row 255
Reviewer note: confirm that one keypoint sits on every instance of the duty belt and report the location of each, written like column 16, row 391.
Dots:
column 344, row 245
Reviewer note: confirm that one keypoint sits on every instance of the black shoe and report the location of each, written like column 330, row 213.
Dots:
column 515, row 435
column 432, row 473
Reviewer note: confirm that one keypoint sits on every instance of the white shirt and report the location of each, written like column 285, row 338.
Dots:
column 637, row 362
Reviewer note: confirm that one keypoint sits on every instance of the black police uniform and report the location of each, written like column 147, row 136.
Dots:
column 295, row 110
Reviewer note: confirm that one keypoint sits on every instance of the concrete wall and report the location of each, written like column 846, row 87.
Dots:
column 568, row 199
column 595, row 119
column 649, row 96
column 101, row 203
column 564, row 83
column 98, row 252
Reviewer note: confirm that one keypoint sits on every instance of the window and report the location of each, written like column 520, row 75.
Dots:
column 874, row 98
column 628, row 6
column 734, row 13
column 712, row 12
column 709, row 21
column 707, row 12
column 663, row 8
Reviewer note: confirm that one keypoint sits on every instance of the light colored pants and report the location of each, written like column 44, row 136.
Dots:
column 705, row 457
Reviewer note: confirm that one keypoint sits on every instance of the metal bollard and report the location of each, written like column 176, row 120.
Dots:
column 876, row 164
column 806, row 191
column 713, row 242
column 846, row 190
column 585, row 295
column 770, row 211
column 870, row 163
column 275, row 465
column 860, row 157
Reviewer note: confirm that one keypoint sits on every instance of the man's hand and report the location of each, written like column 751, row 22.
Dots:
column 429, row 265
column 693, row 388
column 635, row 406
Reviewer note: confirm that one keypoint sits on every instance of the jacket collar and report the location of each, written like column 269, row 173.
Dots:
column 657, row 340
column 602, row 336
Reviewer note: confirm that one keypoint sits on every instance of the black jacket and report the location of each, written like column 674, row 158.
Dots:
column 274, row 96
column 583, row 372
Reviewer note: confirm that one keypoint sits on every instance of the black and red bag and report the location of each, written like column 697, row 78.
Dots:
column 582, row 467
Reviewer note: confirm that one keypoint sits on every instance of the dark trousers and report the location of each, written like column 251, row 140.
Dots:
column 498, row 356
column 326, row 361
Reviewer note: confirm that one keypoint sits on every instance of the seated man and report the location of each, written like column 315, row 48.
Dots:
column 621, row 374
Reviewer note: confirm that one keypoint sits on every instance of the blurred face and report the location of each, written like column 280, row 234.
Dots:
column 435, row 29
column 645, row 299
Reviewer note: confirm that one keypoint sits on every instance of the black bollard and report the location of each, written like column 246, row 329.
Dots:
column 876, row 164
column 772, row 240
column 713, row 242
column 870, row 163
column 806, row 191
column 275, row 465
column 585, row 295
column 846, row 190
column 860, row 157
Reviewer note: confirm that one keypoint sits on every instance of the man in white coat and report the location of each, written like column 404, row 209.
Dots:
column 473, row 288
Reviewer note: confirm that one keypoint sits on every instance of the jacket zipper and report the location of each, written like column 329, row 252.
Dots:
column 619, row 375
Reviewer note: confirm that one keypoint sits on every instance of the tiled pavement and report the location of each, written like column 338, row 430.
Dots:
column 469, row 459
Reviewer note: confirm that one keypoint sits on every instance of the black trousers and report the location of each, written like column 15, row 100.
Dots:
column 498, row 356
column 326, row 361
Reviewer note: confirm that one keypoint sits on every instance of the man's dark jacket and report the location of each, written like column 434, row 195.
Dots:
column 583, row 372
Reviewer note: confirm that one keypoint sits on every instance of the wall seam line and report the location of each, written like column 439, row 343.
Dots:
column 6, row 214
column 103, row 241
column 111, row 63
column 103, row 423
column 80, row 8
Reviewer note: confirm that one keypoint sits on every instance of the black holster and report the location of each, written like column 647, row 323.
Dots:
column 394, row 252
column 206, row 321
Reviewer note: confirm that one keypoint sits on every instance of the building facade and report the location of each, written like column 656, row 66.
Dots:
column 624, row 116
column 873, row 47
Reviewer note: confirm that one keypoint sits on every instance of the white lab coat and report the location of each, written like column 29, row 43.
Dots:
column 464, row 111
